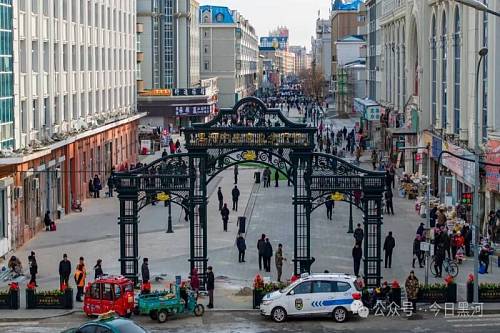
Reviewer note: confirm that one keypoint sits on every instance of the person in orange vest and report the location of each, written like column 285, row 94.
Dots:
column 79, row 281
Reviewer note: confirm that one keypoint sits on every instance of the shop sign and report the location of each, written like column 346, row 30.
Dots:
column 189, row 92
column 493, row 172
column 157, row 92
column 437, row 147
column 461, row 168
column 192, row 110
column 372, row 113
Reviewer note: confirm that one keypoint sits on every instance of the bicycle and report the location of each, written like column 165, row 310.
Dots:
column 449, row 266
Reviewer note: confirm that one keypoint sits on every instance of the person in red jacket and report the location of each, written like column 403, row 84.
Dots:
column 457, row 243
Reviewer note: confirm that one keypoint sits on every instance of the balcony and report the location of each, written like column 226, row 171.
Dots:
column 140, row 56
column 139, row 28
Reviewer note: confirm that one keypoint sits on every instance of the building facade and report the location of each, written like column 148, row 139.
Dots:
column 74, row 107
column 322, row 48
column 229, row 51
column 374, row 49
column 429, row 57
column 300, row 58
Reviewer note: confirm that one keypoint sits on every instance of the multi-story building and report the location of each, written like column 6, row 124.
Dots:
column 322, row 48
column 429, row 57
column 345, row 18
column 6, row 119
column 74, row 108
column 229, row 51
column 374, row 49
column 300, row 57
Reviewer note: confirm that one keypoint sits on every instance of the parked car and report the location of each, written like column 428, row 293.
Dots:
column 332, row 294
column 108, row 323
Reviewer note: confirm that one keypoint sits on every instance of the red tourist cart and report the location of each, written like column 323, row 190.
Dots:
column 109, row 293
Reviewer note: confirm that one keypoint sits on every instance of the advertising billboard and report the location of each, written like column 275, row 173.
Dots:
column 273, row 43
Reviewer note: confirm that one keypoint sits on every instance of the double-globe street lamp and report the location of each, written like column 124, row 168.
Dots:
column 480, row 6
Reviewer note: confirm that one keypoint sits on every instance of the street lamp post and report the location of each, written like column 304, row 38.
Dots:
column 169, row 226
column 350, row 230
column 477, row 181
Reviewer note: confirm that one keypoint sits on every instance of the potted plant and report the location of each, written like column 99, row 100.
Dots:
column 451, row 289
column 395, row 294
column 432, row 293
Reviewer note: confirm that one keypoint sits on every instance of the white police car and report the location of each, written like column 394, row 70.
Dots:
column 332, row 294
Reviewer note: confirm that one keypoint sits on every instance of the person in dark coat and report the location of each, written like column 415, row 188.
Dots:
column 357, row 254
column 236, row 172
column 164, row 154
column 433, row 216
column 47, row 221
column 220, row 196
column 33, row 268
column 389, row 245
column 242, row 246
column 329, row 208
column 64, row 270
column 97, row 186
column 388, row 202
column 91, row 188
column 235, row 193
column 110, row 186
column 98, row 269
column 420, row 230
column 145, row 270
column 260, row 247
column 225, row 216
column 268, row 254
column 447, row 243
column 276, row 178
column 359, row 234
column 417, row 253
column 210, row 287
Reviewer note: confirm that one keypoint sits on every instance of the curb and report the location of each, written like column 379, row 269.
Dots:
column 4, row 319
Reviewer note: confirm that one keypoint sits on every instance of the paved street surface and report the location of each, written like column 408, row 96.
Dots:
column 252, row 322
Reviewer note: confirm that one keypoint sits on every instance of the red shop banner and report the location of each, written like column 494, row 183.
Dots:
column 493, row 172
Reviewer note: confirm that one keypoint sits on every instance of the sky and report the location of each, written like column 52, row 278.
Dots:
column 265, row 15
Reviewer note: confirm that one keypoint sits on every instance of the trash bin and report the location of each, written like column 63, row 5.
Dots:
column 242, row 221
column 256, row 176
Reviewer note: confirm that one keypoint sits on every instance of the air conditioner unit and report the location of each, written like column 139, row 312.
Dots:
column 18, row 192
column 464, row 135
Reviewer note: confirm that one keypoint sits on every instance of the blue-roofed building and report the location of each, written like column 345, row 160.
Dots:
column 346, row 4
column 216, row 15
column 229, row 51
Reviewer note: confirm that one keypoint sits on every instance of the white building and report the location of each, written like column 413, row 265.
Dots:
column 74, row 114
column 322, row 47
column 229, row 51
column 430, row 55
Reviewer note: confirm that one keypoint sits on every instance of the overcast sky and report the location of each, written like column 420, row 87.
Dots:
column 265, row 15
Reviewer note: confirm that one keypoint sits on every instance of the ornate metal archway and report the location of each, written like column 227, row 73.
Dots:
column 248, row 132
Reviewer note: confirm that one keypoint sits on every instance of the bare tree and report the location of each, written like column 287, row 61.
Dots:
column 313, row 81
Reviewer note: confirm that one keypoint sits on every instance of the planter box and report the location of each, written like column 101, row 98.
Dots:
column 445, row 295
column 41, row 301
column 485, row 295
column 257, row 298
column 10, row 301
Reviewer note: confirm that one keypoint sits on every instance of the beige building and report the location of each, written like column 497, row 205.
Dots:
column 229, row 51
column 300, row 57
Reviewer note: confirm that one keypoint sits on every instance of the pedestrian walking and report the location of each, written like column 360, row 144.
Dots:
column 389, row 245
column 33, row 268
column 98, row 269
column 412, row 286
column 268, row 254
column 195, row 281
column 164, row 154
column 79, row 281
column 110, row 186
column 177, row 146
column 220, row 196
column 388, row 201
column 276, row 178
column 359, row 234
column 260, row 248
column 97, row 186
column 279, row 258
column 47, row 221
column 91, row 188
column 235, row 193
column 420, row 229
column 81, row 261
column 225, row 216
column 145, row 270
column 417, row 253
column 64, row 271
column 236, row 172
column 357, row 254
column 374, row 159
column 242, row 247
column 210, row 287
column 329, row 208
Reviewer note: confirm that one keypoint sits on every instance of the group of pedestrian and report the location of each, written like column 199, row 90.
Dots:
column 95, row 187
column 224, row 210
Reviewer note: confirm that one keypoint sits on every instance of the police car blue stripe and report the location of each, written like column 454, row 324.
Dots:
column 331, row 302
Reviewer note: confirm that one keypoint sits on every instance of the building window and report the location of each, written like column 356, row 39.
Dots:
column 485, row 76
column 444, row 72
column 456, row 100
column 434, row 71
column 206, row 65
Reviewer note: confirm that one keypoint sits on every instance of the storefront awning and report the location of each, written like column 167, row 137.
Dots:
column 401, row 131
